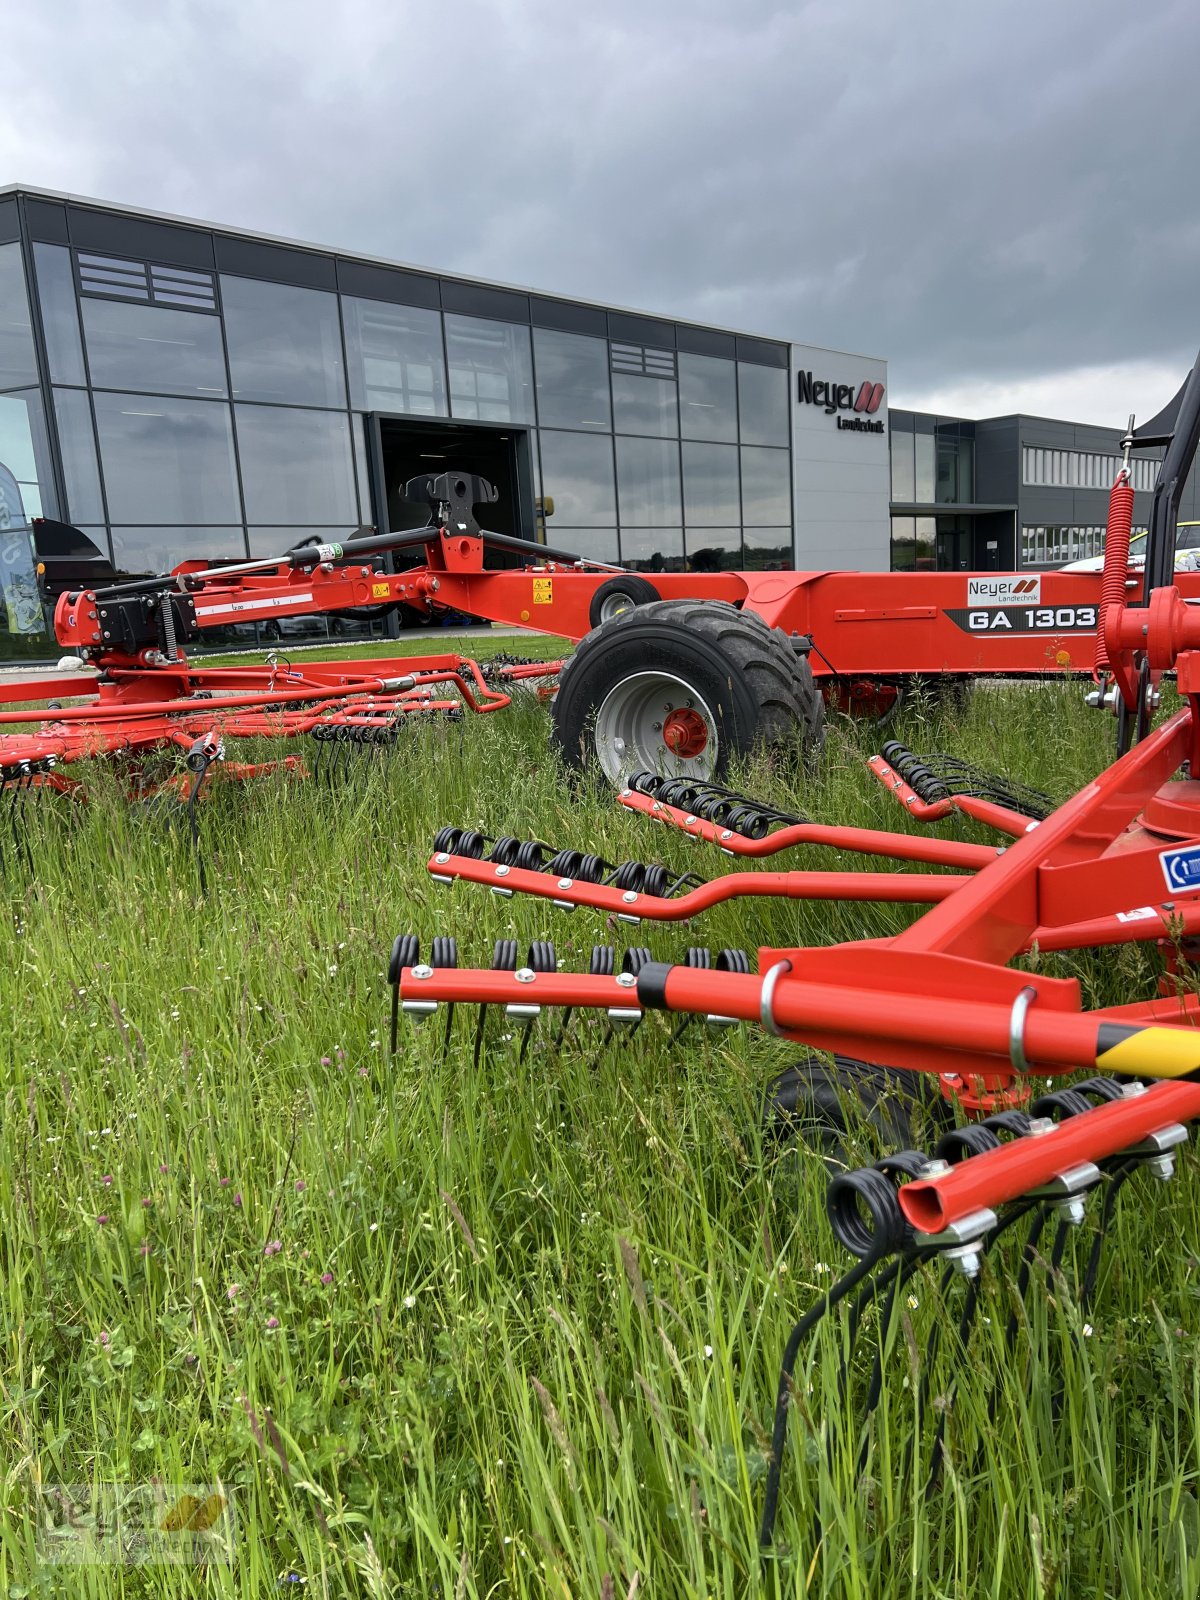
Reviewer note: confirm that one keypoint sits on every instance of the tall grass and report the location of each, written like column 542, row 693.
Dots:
column 522, row 1330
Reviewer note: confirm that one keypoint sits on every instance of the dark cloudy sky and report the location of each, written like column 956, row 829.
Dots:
column 1001, row 198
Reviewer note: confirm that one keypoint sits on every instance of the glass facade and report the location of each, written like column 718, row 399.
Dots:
column 932, row 464
column 196, row 403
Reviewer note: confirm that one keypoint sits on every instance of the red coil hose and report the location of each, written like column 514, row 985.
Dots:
column 1116, row 560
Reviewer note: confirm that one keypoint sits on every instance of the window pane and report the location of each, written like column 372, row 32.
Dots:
column 167, row 461
column 768, row 549
column 645, row 405
column 26, row 483
column 60, row 315
column 274, row 541
column 714, row 549
column 572, row 380
column 648, row 483
column 904, row 545
column 966, row 471
column 708, row 399
column 161, row 549
column 153, row 348
column 358, row 433
column 766, row 493
column 763, row 404
column 593, row 544
column 925, row 469
column 926, row 559
column 285, row 344
column 17, row 363
column 296, row 466
column 710, row 485
column 491, row 370
column 947, row 471
column 903, row 480
column 395, row 358
column 577, row 472
column 652, row 549
column 81, row 468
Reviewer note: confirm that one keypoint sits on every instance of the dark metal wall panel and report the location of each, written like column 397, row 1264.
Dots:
column 762, row 352
column 370, row 282
column 566, row 316
column 997, row 461
column 276, row 263
column 144, row 240
column 10, row 221
column 46, row 221
column 704, row 341
column 481, row 300
column 641, row 330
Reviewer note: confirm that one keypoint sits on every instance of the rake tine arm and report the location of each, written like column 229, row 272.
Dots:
column 633, row 905
column 864, row 841
column 1002, row 818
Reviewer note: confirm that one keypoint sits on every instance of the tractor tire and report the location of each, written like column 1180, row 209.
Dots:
column 618, row 595
column 827, row 1104
column 684, row 687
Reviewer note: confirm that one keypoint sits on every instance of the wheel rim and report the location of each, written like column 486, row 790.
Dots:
column 655, row 721
column 614, row 604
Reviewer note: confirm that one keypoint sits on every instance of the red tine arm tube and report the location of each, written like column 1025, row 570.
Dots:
column 986, row 1181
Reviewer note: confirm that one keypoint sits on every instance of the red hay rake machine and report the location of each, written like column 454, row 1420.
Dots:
column 938, row 1004
column 144, row 697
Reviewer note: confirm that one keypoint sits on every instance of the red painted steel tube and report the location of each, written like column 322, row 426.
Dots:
column 904, row 888
column 1128, row 927
column 937, row 1014
column 483, row 986
column 117, row 710
column 988, row 1180
column 864, row 841
column 1013, row 823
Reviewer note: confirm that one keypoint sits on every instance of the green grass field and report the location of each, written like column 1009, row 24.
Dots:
column 454, row 1332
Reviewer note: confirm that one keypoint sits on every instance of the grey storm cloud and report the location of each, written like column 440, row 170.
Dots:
column 981, row 188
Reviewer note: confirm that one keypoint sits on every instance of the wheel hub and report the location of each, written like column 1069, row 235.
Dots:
column 655, row 721
column 685, row 733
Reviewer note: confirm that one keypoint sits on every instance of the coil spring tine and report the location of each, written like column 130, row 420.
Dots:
column 699, row 959
column 800, row 1331
column 445, row 954
column 541, row 958
column 504, row 959
column 655, row 882
column 406, row 952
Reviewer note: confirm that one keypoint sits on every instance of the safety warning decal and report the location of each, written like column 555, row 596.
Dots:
column 543, row 591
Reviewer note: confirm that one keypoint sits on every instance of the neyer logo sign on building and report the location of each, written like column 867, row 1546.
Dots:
column 863, row 401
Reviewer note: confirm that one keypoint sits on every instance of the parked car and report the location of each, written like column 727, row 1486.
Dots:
column 1187, row 551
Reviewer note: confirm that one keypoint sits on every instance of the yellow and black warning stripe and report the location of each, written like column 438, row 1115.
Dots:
column 1147, row 1052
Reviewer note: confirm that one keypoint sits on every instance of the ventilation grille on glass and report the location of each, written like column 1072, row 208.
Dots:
column 643, row 361
column 136, row 280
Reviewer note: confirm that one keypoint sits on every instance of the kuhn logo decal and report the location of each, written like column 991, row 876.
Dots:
column 864, row 401
column 1004, row 591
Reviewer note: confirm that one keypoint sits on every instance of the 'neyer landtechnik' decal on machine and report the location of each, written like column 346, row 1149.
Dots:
column 1011, row 603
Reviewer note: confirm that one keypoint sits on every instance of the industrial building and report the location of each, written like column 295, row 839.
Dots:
column 180, row 389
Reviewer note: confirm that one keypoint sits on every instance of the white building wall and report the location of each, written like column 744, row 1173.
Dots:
column 840, row 469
